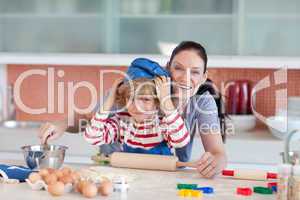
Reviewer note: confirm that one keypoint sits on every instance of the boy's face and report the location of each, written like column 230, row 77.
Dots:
column 142, row 108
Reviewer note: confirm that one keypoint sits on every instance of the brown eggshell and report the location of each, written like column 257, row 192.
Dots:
column 80, row 185
column 66, row 170
column 51, row 170
column 34, row 177
column 43, row 172
column 75, row 176
column 56, row 189
column 89, row 190
column 58, row 173
column 66, row 179
column 105, row 188
column 50, row 179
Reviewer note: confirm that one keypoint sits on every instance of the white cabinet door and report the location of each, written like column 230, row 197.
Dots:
column 272, row 28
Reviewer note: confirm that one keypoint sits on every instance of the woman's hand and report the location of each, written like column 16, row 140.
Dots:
column 209, row 165
column 163, row 89
column 51, row 131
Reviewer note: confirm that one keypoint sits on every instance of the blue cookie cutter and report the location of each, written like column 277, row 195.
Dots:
column 206, row 190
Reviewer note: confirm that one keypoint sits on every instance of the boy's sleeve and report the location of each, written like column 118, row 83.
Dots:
column 175, row 130
column 102, row 129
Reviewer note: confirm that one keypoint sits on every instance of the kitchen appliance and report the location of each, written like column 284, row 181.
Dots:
column 238, row 93
column 238, row 105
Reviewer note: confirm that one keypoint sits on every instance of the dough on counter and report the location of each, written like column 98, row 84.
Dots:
column 99, row 174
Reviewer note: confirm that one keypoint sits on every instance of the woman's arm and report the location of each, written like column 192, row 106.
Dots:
column 53, row 130
column 214, row 159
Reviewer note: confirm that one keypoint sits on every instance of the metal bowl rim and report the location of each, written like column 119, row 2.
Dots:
column 27, row 147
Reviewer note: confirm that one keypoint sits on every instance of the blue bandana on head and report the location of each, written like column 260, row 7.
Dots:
column 145, row 68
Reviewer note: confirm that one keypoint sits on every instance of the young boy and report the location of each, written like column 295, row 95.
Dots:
column 140, row 129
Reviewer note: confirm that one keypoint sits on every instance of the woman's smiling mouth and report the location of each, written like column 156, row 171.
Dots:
column 182, row 86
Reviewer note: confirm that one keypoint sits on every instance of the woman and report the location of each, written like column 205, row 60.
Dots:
column 188, row 70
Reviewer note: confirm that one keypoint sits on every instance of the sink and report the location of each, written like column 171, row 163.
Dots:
column 20, row 124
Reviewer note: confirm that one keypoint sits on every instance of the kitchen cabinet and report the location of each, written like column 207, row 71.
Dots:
column 225, row 27
column 1, row 35
column 271, row 28
column 52, row 26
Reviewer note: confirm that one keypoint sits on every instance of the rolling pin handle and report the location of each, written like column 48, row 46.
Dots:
column 100, row 158
column 186, row 164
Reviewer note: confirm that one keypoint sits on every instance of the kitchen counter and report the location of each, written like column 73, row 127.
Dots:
column 146, row 185
column 214, row 61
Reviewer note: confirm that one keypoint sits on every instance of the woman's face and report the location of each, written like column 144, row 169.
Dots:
column 187, row 73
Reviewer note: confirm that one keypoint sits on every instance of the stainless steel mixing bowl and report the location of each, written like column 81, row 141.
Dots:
column 44, row 156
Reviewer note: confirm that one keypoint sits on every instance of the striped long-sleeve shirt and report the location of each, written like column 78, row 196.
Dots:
column 120, row 127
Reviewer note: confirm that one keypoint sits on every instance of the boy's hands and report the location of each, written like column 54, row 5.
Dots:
column 163, row 89
column 114, row 88
column 110, row 101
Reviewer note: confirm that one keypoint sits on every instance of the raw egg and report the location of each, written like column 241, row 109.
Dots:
column 56, row 189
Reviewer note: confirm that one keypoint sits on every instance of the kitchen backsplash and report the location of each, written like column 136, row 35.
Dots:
column 34, row 88
column 265, row 98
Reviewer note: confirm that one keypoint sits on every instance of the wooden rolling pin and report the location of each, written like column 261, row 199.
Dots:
column 144, row 161
column 245, row 174
column 171, row 163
